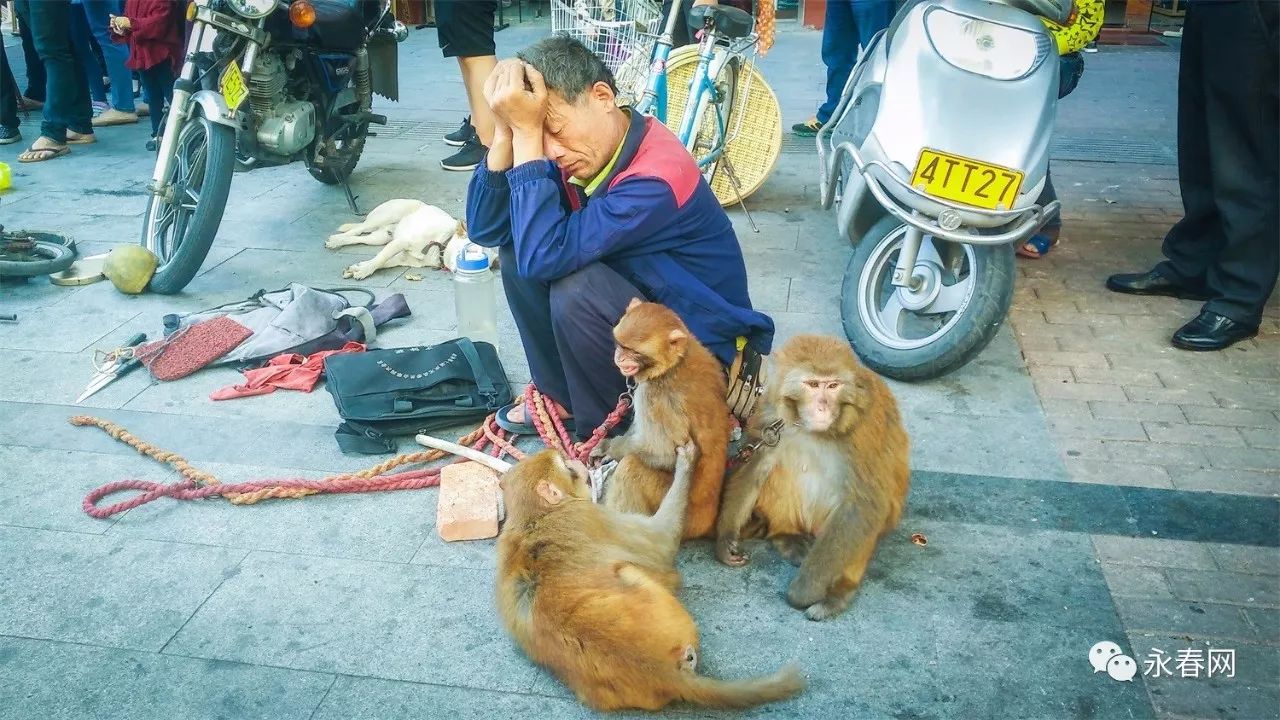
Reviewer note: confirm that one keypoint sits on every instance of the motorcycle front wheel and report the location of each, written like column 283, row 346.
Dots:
column 179, row 228
column 963, row 295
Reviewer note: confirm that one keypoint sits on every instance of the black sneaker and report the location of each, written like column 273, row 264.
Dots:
column 459, row 137
column 471, row 154
column 9, row 135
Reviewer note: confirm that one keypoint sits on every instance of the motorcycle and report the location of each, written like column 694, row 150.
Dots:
column 263, row 83
column 936, row 156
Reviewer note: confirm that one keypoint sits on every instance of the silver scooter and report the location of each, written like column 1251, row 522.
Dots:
column 936, row 157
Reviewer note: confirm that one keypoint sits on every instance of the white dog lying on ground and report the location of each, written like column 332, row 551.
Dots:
column 411, row 233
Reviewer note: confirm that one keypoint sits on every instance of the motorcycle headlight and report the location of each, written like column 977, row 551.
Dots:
column 253, row 9
column 984, row 47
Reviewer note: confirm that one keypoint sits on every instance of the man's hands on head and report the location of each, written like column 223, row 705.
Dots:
column 518, row 95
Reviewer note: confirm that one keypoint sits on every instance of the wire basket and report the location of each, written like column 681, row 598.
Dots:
column 622, row 33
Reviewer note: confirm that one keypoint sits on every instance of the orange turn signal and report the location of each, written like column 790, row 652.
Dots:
column 191, row 11
column 302, row 14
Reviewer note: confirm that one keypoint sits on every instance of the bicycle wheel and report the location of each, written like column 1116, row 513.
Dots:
column 753, row 124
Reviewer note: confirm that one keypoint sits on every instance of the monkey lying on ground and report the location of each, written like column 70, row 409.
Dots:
column 588, row 593
column 679, row 398
column 832, row 463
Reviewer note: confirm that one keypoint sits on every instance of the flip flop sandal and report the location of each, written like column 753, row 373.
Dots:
column 1040, row 246
column 47, row 153
column 525, row 428
column 74, row 138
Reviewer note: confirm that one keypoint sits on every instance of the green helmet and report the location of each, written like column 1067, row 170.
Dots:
column 129, row 268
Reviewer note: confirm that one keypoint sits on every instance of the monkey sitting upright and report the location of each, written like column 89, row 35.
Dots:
column 588, row 593
column 829, row 477
column 679, row 398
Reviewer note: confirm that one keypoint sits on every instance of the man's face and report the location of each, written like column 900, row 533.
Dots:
column 581, row 137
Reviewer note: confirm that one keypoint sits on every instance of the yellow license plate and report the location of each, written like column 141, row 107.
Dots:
column 232, row 86
column 965, row 180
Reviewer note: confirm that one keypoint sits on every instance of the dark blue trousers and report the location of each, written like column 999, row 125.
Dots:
column 566, row 327
column 67, row 90
column 849, row 23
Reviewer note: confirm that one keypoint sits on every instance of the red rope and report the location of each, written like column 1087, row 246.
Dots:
column 196, row 485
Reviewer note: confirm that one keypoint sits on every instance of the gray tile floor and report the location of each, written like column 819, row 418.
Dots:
column 351, row 606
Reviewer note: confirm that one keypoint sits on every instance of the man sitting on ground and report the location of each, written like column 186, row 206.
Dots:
column 592, row 205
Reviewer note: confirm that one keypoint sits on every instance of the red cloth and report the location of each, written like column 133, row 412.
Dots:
column 155, row 35
column 289, row 371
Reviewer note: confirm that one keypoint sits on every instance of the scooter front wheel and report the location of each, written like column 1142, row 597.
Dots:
column 960, row 296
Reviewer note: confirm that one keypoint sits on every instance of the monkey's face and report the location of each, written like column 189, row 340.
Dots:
column 819, row 402
column 541, row 481
column 650, row 340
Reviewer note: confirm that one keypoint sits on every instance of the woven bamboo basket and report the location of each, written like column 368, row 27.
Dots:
column 754, row 125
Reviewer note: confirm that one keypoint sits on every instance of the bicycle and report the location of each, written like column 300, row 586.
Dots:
column 709, row 115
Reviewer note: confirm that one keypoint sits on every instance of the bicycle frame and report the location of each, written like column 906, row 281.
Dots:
column 711, row 59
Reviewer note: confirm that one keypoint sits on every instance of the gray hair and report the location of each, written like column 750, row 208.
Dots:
column 568, row 67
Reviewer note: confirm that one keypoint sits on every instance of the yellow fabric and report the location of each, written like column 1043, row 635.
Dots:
column 590, row 186
column 1080, row 30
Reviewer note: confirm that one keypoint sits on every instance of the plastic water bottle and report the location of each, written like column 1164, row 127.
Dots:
column 473, row 296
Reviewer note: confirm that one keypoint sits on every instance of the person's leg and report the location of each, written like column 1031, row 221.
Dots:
column 475, row 70
column 82, row 41
column 36, row 80
column 871, row 16
column 159, row 83
column 114, row 54
column 839, row 52
column 465, row 29
column 8, row 101
column 50, row 32
column 1193, row 242
column 530, row 303
column 1243, row 125
column 585, row 306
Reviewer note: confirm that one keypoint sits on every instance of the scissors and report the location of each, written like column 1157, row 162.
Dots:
column 122, row 363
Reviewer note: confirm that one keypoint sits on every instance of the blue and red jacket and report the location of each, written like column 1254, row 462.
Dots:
column 653, row 220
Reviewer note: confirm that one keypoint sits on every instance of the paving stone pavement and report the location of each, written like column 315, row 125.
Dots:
column 1078, row 482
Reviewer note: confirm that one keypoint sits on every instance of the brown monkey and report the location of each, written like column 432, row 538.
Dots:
column 679, row 398
column 828, row 478
column 588, row 593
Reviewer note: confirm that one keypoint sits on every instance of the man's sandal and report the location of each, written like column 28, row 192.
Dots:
column 35, row 154
column 1037, row 246
column 75, row 138
column 525, row 428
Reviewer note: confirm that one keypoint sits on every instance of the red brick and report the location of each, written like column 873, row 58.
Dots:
column 1107, row 376
column 1228, row 416
column 1262, row 437
column 1193, row 434
column 1095, row 428
column 1078, row 391
column 1136, row 411
column 467, row 508
column 1171, row 396
column 1066, row 359
column 1114, row 473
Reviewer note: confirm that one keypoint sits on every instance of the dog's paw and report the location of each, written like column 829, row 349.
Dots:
column 334, row 242
column 359, row 271
column 347, row 227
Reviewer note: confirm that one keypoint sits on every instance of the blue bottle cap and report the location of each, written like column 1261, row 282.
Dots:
column 472, row 258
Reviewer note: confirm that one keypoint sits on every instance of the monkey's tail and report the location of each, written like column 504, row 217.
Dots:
column 708, row 692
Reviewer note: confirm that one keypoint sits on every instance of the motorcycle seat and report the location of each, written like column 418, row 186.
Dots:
column 729, row 22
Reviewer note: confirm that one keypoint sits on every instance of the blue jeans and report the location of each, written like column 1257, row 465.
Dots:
column 849, row 23
column 67, row 93
column 82, row 38
column 115, row 54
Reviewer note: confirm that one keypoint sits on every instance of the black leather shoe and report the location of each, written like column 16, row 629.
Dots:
column 1153, row 283
column 1211, row 331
